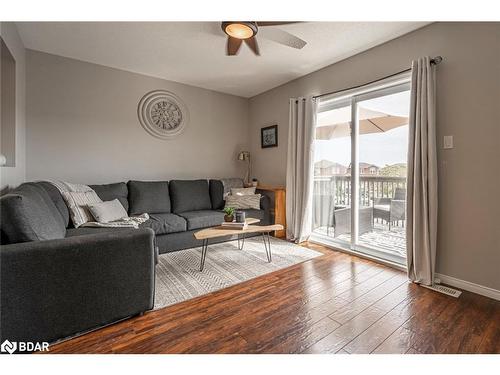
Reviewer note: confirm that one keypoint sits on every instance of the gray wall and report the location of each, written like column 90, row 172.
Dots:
column 468, row 107
column 83, row 126
column 15, row 173
column 8, row 106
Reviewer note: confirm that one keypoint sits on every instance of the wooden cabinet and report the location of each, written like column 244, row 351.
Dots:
column 278, row 206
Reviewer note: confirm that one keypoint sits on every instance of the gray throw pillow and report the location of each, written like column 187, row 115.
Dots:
column 105, row 212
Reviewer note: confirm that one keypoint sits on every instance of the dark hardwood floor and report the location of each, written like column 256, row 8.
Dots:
column 335, row 303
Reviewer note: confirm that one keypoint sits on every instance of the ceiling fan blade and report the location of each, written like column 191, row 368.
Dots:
column 252, row 43
column 283, row 37
column 233, row 46
column 275, row 23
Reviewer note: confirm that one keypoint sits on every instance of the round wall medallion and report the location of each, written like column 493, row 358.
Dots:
column 162, row 114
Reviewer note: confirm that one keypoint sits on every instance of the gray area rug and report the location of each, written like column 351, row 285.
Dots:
column 178, row 277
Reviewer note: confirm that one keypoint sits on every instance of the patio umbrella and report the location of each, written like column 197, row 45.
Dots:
column 336, row 124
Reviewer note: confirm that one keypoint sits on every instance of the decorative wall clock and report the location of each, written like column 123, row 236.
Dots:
column 162, row 114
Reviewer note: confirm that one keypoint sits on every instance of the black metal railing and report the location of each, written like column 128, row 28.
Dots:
column 339, row 186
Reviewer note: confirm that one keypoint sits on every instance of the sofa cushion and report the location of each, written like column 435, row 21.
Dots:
column 57, row 199
column 165, row 223
column 216, row 189
column 150, row 197
column 28, row 214
column 203, row 219
column 189, row 195
column 108, row 192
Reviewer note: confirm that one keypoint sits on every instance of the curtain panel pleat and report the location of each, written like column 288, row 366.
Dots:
column 300, row 157
column 422, row 178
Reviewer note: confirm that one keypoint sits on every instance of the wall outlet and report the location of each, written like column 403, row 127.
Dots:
column 448, row 142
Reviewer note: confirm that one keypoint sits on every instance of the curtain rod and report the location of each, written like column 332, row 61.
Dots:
column 434, row 61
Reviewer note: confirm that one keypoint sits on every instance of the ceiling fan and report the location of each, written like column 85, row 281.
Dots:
column 245, row 31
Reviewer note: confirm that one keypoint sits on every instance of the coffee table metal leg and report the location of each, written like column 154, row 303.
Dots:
column 242, row 243
column 203, row 254
column 269, row 242
column 267, row 245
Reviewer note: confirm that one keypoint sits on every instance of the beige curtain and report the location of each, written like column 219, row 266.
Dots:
column 422, row 198
column 299, row 172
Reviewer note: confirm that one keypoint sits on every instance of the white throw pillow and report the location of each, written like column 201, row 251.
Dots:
column 242, row 202
column 105, row 212
column 77, row 203
column 243, row 191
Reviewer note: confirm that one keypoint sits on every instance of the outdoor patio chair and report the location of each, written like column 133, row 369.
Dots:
column 391, row 209
column 342, row 220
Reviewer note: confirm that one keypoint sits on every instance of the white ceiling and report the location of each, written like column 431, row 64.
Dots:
column 194, row 52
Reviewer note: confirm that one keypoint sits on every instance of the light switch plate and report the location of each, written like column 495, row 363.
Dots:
column 448, row 142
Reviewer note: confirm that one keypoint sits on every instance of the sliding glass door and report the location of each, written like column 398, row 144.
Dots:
column 360, row 171
column 332, row 177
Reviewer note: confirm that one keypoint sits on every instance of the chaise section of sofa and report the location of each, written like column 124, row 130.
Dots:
column 55, row 283
column 57, row 288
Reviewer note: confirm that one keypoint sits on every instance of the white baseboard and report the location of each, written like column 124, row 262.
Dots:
column 470, row 287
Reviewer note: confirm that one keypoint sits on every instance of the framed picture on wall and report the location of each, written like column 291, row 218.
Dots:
column 269, row 136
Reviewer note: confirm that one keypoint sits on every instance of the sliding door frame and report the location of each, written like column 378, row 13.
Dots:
column 354, row 171
column 392, row 86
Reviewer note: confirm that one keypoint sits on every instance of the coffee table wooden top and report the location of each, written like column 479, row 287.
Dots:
column 220, row 231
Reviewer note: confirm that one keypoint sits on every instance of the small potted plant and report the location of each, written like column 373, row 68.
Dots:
column 229, row 214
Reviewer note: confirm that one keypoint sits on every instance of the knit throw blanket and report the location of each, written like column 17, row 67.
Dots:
column 126, row 222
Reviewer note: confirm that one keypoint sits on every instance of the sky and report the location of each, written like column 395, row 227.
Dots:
column 376, row 148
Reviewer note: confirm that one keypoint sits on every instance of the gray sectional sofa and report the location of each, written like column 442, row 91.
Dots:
column 57, row 281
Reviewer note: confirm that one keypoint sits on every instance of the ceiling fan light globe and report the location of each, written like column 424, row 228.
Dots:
column 239, row 30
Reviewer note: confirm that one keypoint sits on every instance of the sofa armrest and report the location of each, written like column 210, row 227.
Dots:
column 265, row 205
column 57, row 288
column 265, row 202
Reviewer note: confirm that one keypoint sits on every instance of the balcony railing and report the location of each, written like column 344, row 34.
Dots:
column 339, row 186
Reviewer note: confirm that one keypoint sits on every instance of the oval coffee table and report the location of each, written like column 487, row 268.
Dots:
column 216, row 232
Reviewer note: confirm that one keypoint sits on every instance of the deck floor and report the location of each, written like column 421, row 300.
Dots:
column 335, row 303
column 381, row 238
